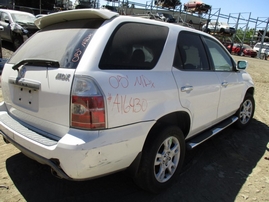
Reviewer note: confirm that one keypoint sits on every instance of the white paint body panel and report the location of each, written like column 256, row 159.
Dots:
column 134, row 101
column 204, row 85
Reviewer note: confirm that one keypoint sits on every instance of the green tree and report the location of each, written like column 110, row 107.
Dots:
column 246, row 35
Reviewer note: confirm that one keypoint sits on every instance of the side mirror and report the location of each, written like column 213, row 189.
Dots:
column 241, row 65
column 7, row 20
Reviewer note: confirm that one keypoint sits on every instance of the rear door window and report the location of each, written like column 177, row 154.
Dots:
column 190, row 54
column 63, row 42
column 134, row 46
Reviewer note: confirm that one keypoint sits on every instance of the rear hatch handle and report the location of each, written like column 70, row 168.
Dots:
column 37, row 62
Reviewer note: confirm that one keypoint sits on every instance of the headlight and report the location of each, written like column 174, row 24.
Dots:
column 18, row 29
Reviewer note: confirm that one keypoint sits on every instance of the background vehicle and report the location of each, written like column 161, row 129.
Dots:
column 196, row 6
column 40, row 15
column 167, row 3
column 18, row 26
column 264, row 50
column 218, row 27
column 95, row 104
column 243, row 50
column 167, row 17
column 112, row 8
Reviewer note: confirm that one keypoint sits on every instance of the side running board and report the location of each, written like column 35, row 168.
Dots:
column 200, row 138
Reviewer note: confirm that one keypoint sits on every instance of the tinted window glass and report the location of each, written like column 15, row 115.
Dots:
column 63, row 42
column 191, row 53
column 134, row 46
column 221, row 59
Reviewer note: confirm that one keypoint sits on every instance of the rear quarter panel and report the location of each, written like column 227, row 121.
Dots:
column 133, row 95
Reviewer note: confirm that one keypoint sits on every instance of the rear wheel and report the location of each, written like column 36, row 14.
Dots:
column 162, row 159
column 245, row 112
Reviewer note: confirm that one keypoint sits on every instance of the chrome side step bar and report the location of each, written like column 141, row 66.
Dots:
column 201, row 137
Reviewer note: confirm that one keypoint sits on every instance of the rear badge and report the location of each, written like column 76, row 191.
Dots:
column 63, row 77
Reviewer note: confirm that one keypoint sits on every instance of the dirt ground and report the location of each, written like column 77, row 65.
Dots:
column 232, row 166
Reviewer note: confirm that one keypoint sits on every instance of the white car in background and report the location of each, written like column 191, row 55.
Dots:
column 219, row 28
column 262, row 49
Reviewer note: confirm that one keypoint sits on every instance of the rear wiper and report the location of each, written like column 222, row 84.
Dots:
column 37, row 62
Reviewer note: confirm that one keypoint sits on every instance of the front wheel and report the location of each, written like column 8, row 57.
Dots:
column 17, row 42
column 162, row 159
column 245, row 112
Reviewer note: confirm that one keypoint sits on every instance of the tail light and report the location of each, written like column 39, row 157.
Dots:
column 87, row 104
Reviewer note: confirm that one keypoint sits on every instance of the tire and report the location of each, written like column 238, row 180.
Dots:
column 245, row 112
column 162, row 158
column 17, row 42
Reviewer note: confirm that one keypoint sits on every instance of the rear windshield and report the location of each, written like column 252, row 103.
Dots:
column 63, row 42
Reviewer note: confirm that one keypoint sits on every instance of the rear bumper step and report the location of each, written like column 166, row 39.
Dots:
column 200, row 138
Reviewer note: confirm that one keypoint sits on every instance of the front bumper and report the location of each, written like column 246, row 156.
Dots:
column 79, row 155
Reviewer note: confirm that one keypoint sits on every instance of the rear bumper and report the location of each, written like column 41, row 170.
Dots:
column 79, row 155
column 59, row 172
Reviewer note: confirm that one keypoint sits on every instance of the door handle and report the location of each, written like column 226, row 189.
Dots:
column 224, row 84
column 186, row 88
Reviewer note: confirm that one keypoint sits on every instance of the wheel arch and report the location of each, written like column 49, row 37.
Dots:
column 250, row 91
column 179, row 118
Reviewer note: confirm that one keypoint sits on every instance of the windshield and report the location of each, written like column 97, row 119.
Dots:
column 258, row 45
column 224, row 24
column 23, row 18
column 246, row 46
column 63, row 42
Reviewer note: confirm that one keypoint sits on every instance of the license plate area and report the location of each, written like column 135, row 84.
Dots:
column 26, row 97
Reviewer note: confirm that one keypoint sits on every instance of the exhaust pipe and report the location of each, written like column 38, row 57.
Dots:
column 6, row 141
column 3, row 134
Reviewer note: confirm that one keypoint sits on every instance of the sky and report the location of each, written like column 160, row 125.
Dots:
column 255, row 9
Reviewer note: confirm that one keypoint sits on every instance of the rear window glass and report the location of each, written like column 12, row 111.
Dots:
column 63, row 42
column 134, row 46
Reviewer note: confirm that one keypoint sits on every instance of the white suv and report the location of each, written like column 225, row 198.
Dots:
column 264, row 49
column 93, row 93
